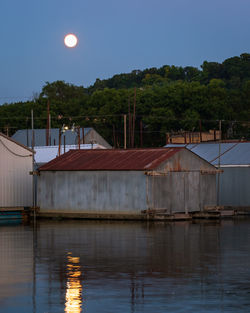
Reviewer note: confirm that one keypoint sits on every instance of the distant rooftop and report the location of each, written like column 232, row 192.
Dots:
column 24, row 136
column 45, row 154
column 87, row 160
column 231, row 153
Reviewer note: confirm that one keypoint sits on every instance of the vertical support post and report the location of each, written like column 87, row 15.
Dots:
column 125, row 130
column 79, row 138
column 141, row 142
column 129, row 124
column 133, row 126
column 218, row 181
column 27, row 132
column 64, row 144
column 50, row 129
column 83, row 139
column 200, row 131
column 59, row 142
column 32, row 128
column 7, row 131
column 167, row 138
column 185, row 191
column 114, row 141
column 33, row 167
column 48, row 123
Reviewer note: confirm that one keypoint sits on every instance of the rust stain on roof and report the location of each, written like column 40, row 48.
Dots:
column 113, row 160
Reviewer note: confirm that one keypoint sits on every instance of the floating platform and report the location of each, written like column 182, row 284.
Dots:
column 19, row 213
column 211, row 212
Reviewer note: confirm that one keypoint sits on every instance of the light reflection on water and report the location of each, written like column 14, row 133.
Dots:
column 74, row 287
column 91, row 266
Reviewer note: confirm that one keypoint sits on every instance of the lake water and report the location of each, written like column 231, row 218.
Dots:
column 101, row 266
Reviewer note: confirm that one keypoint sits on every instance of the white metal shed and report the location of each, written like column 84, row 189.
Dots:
column 15, row 178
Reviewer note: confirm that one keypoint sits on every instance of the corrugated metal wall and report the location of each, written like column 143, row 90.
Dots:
column 15, row 181
column 124, row 191
column 92, row 191
column 182, row 191
column 235, row 186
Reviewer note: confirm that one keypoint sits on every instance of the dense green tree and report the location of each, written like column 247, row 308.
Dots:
column 167, row 99
column 59, row 90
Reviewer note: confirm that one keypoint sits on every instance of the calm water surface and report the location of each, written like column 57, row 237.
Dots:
column 90, row 266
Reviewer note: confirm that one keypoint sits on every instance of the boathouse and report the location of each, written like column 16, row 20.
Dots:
column 15, row 179
column 125, row 183
column 233, row 179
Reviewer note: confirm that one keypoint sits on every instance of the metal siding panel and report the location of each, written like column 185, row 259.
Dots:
column 235, row 186
column 167, row 192
column 177, row 192
column 88, row 191
column 181, row 191
column 192, row 191
column 186, row 161
column 208, row 194
column 160, row 192
column 15, row 181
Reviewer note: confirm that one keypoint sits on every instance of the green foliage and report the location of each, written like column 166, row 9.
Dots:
column 61, row 91
column 168, row 99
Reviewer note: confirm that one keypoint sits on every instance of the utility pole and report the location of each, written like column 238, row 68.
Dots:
column 200, row 130
column 133, row 126
column 129, row 124
column 79, row 137
column 125, row 130
column 48, row 124
column 141, row 142
column 114, row 139
column 59, row 143
column 218, row 181
column 33, row 167
column 83, row 139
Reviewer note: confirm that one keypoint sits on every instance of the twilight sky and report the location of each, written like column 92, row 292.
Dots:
column 114, row 37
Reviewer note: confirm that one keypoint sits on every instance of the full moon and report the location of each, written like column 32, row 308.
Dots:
column 70, row 40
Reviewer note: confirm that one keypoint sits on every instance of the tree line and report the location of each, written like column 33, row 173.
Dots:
column 156, row 100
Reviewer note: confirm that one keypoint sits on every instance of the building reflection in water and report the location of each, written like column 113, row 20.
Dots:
column 73, row 296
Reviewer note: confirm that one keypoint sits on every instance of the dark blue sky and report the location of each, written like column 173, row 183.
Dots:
column 114, row 37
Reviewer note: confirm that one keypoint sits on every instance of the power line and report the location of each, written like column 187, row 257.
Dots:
column 14, row 153
column 71, row 118
column 15, row 97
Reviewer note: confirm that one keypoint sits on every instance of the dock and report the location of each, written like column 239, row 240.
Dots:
column 211, row 212
column 16, row 213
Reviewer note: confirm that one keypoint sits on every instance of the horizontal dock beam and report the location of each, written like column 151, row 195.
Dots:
column 12, row 209
column 151, row 216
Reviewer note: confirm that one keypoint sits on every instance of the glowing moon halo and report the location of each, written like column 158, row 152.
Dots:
column 70, row 40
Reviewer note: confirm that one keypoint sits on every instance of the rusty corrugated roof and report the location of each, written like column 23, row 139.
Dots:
column 113, row 160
